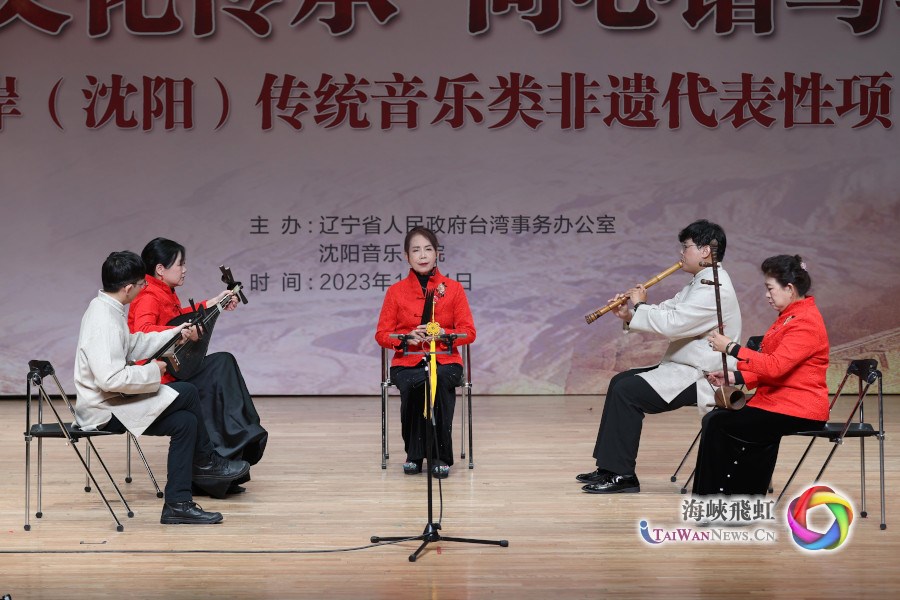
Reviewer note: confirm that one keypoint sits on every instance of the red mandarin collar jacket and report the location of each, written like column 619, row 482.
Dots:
column 154, row 306
column 789, row 370
column 402, row 312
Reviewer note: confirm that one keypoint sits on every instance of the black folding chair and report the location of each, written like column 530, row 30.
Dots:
column 466, row 412
column 39, row 370
column 867, row 373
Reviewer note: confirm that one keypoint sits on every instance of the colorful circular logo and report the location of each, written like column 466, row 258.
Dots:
column 820, row 495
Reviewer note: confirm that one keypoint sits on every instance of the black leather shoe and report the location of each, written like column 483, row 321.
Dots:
column 614, row 484
column 220, row 469
column 188, row 513
column 593, row 477
column 216, row 476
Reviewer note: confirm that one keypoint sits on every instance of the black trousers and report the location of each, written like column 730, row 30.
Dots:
column 228, row 411
column 182, row 421
column 411, row 383
column 628, row 399
column 739, row 449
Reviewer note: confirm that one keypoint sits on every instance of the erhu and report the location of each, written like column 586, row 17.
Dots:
column 649, row 283
column 727, row 396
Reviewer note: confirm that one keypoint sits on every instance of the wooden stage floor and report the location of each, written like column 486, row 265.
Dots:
column 320, row 486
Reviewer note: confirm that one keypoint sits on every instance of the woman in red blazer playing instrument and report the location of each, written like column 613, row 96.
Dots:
column 401, row 313
column 228, row 410
column 789, row 375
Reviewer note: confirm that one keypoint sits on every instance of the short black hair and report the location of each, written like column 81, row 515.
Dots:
column 119, row 269
column 703, row 232
column 787, row 269
column 160, row 251
column 423, row 231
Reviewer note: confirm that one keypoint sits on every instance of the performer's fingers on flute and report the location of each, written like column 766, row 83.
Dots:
column 615, row 298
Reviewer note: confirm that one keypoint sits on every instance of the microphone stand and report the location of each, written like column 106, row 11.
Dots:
column 431, row 533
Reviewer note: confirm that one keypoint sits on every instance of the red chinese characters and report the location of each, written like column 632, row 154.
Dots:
column 161, row 98
column 9, row 98
column 36, row 15
column 343, row 15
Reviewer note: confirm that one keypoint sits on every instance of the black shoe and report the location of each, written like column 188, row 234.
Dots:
column 441, row 470
column 593, row 477
column 412, row 467
column 614, row 484
column 216, row 476
column 188, row 513
column 220, row 469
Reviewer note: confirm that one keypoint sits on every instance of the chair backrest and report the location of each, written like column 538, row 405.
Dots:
column 867, row 372
column 754, row 343
column 38, row 371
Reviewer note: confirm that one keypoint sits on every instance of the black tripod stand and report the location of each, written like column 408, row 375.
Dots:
column 431, row 533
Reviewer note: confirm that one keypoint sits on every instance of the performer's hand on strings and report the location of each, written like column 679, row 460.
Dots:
column 189, row 333
column 232, row 302
column 717, row 378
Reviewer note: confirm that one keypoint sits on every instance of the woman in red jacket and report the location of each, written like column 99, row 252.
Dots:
column 401, row 313
column 738, row 449
column 231, row 418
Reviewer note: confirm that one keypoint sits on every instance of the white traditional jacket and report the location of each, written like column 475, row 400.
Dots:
column 105, row 383
column 686, row 320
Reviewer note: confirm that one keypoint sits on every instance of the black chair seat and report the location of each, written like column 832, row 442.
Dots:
column 53, row 430
column 832, row 431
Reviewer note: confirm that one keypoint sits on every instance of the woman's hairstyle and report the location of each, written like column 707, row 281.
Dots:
column 161, row 251
column 787, row 269
column 119, row 269
column 702, row 233
column 423, row 231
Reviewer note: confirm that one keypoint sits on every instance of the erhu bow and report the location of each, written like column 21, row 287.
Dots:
column 727, row 396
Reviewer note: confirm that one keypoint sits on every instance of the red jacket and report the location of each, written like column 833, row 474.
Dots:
column 789, row 370
column 155, row 305
column 402, row 312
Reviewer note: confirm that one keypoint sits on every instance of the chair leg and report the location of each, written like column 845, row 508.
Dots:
column 674, row 476
column 90, row 445
column 797, row 468
column 688, row 482
column 128, row 457
column 27, row 481
column 384, row 425
column 881, row 466
column 462, row 423
column 119, row 526
column 469, row 413
column 862, row 477
column 133, row 440
column 87, row 458
column 40, row 473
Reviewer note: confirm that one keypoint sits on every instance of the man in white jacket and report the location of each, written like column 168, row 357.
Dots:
column 678, row 380
column 114, row 394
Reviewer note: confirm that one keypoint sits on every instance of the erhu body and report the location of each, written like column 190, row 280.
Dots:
column 727, row 396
